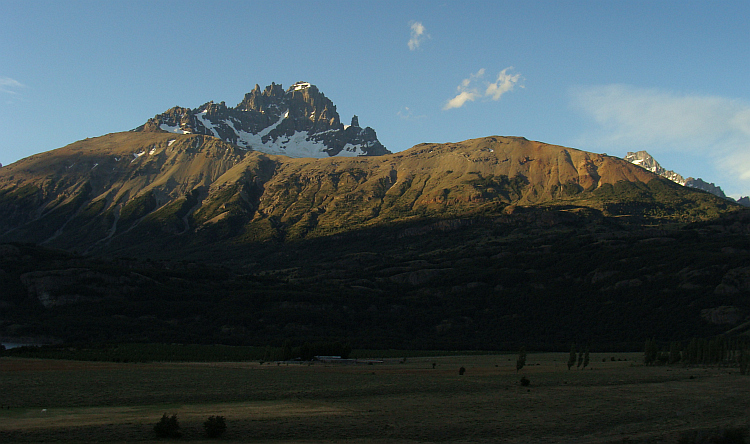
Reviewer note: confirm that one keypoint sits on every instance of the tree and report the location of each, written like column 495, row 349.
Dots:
column 286, row 351
column 580, row 359
column 586, row 358
column 167, row 427
column 691, row 354
column 744, row 361
column 572, row 357
column 674, row 352
column 215, row 426
column 650, row 352
column 521, row 359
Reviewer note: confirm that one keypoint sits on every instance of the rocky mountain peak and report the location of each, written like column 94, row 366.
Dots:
column 645, row 160
column 705, row 186
column 298, row 122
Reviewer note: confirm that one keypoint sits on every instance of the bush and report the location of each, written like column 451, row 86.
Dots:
column 525, row 381
column 167, row 427
column 215, row 426
column 461, row 371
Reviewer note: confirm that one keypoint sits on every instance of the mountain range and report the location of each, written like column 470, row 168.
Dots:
column 192, row 228
column 134, row 190
column 645, row 160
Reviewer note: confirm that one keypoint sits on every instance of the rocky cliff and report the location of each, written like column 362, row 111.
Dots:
column 298, row 122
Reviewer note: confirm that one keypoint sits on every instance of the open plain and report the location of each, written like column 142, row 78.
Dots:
column 617, row 400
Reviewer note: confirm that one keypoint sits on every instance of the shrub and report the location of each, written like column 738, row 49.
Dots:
column 215, row 426
column 525, row 381
column 167, row 427
column 461, row 371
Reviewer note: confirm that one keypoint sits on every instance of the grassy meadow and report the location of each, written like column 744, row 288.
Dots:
column 393, row 401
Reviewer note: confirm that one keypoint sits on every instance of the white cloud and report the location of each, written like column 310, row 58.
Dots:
column 408, row 114
column 467, row 91
column 9, row 86
column 504, row 83
column 418, row 35
column 711, row 128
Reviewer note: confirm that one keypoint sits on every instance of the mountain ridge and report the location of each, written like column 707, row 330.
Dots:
column 125, row 188
column 645, row 160
column 298, row 122
column 488, row 243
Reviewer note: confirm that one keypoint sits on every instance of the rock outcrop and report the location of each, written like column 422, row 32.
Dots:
column 298, row 122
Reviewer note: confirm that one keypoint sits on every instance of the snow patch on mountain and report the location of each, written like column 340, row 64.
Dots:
column 207, row 123
column 174, row 129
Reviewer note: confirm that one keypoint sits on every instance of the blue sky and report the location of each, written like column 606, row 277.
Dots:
column 669, row 77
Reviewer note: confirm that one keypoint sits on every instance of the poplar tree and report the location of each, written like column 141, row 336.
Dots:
column 521, row 359
column 586, row 358
column 572, row 357
column 650, row 352
column 692, row 352
column 674, row 352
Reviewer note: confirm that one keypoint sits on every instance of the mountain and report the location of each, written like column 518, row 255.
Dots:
column 159, row 192
column 298, row 122
column 645, row 160
column 705, row 186
column 489, row 243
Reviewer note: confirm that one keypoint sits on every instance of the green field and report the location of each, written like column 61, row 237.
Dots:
column 393, row 401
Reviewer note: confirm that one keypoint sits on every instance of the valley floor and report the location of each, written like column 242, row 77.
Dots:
column 612, row 401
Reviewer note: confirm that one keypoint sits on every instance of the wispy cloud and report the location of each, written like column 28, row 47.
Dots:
column 628, row 117
column 408, row 114
column 418, row 35
column 9, row 86
column 475, row 88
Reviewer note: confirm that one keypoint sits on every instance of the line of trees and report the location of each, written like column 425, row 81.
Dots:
column 720, row 351
column 582, row 361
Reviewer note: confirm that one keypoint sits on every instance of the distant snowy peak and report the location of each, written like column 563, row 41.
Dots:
column 298, row 122
column 644, row 160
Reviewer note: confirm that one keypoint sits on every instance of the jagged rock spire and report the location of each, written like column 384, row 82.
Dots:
column 298, row 122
